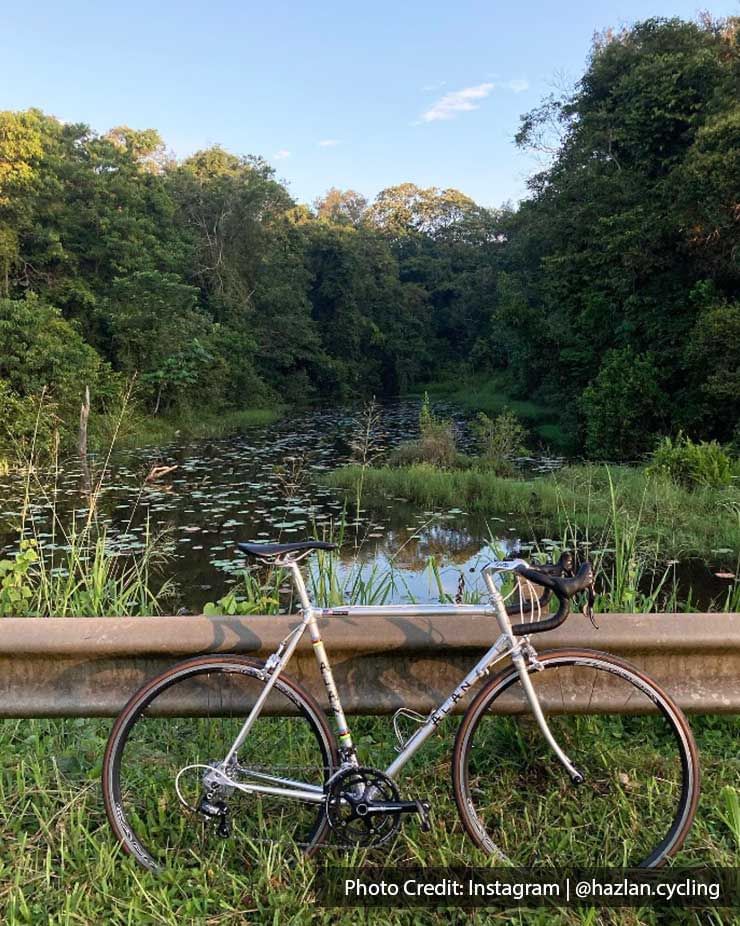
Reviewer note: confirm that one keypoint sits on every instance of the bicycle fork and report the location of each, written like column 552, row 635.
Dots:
column 520, row 664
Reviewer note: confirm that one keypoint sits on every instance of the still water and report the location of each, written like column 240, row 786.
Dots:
column 267, row 484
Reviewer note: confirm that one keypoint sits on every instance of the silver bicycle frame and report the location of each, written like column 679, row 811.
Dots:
column 507, row 644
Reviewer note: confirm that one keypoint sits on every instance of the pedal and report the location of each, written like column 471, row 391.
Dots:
column 423, row 808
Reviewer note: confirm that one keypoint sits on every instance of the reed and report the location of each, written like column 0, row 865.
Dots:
column 701, row 521
column 78, row 570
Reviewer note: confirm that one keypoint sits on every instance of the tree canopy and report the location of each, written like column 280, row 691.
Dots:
column 612, row 292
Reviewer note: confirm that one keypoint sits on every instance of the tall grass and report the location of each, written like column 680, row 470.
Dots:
column 87, row 579
column 681, row 521
column 77, row 570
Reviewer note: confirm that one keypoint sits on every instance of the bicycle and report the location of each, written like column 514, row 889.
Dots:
column 220, row 753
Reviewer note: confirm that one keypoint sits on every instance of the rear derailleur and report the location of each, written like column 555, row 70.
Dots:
column 214, row 809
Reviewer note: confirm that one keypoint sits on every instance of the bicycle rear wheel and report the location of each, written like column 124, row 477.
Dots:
column 186, row 720
column 639, row 761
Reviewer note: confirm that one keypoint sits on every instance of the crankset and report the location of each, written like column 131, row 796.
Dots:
column 364, row 808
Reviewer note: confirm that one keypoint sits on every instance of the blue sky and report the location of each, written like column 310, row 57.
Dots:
column 360, row 95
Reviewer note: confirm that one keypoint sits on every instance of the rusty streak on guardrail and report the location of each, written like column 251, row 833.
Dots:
column 85, row 667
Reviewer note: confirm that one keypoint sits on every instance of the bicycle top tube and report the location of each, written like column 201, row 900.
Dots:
column 406, row 610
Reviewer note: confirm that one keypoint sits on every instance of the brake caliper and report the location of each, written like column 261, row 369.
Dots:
column 530, row 654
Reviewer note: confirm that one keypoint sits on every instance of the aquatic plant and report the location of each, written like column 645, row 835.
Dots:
column 502, row 439
column 436, row 444
column 704, row 521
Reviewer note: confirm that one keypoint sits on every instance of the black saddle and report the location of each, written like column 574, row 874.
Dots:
column 260, row 550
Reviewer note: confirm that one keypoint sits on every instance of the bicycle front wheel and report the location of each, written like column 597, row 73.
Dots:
column 628, row 738
column 171, row 734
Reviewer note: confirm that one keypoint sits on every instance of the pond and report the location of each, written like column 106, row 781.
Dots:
column 267, row 484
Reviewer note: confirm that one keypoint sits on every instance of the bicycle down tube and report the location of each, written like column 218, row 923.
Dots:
column 507, row 644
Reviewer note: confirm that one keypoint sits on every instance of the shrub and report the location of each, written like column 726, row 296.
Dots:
column 17, row 581
column 27, row 425
column 688, row 463
column 501, row 440
column 436, row 445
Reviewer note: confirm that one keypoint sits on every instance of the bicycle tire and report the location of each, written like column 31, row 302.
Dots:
column 229, row 684
column 585, row 833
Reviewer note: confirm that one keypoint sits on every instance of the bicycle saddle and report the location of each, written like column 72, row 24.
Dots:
column 279, row 549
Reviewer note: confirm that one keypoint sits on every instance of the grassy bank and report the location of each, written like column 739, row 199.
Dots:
column 492, row 395
column 133, row 430
column 679, row 521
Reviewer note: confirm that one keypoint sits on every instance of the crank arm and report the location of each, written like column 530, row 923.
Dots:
column 392, row 807
column 399, row 807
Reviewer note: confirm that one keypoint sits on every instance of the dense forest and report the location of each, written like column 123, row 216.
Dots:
column 612, row 292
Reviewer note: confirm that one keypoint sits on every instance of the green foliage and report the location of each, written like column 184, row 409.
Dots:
column 179, row 373
column 17, row 581
column 27, row 425
column 20, row 148
column 676, row 520
column 501, row 439
column 624, row 407
column 45, row 366
column 252, row 597
column 633, row 214
column 86, row 579
column 612, row 287
column 40, row 350
column 437, row 444
column 704, row 463
column 713, row 352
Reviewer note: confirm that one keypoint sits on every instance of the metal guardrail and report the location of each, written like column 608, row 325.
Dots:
column 85, row 667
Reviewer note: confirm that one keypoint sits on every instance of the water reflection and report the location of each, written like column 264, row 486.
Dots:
column 203, row 496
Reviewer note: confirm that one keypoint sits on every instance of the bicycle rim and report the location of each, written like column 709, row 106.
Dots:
column 186, row 720
column 641, row 786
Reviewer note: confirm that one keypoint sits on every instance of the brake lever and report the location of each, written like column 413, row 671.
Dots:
column 588, row 607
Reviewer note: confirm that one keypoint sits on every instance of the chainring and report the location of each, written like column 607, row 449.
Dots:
column 350, row 795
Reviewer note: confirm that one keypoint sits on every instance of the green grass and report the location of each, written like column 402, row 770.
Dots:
column 60, row 865
column 137, row 430
column 492, row 395
column 679, row 521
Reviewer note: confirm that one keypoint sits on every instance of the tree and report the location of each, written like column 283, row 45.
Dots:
column 20, row 148
column 341, row 207
column 157, row 330
column 635, row 210
column 624, row 408
column 42, row 355
column 408, row 209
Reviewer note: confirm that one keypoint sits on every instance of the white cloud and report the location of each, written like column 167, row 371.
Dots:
column 282, row 154
column 328, row 143
column 459, row 101
column 518, row 85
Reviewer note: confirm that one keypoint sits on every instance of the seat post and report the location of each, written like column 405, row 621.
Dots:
column 300, row 584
